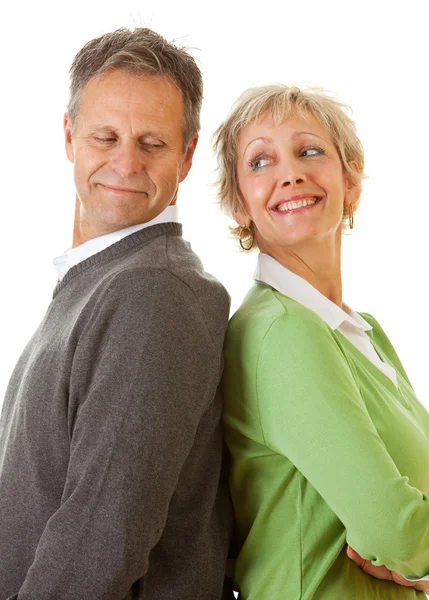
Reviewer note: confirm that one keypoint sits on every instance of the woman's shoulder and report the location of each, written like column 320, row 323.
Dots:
column 382, row 343
column 378, row 335
column 264, row 308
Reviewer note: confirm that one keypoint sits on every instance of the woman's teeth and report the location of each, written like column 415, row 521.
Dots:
column 292, row 204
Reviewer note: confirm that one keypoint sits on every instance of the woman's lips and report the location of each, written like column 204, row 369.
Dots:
column 296, row 204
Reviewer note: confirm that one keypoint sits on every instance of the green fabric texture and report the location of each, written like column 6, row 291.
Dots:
column 325, row 451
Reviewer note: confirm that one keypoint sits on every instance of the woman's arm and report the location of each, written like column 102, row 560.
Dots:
column 312, row 412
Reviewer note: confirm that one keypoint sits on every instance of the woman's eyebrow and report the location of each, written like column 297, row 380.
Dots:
column 309, row 133
column 268, row 140
column 262, row 139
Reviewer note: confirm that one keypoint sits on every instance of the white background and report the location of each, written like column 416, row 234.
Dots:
column 374, row 55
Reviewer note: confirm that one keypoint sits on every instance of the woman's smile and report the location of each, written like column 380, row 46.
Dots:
column 295, row 204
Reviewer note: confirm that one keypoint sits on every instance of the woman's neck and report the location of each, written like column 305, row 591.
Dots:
column 319, row 263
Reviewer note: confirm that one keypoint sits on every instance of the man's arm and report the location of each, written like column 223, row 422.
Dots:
column 143, row 375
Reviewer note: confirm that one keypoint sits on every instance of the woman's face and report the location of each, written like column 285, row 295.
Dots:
column 292, row 181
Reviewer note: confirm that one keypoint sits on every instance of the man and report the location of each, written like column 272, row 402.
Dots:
column 110, row 440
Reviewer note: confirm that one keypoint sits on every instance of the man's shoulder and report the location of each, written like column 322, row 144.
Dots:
column 161, row 278
column 168, row 260
column 182, row 261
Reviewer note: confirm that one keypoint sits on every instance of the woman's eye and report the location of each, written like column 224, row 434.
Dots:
column 259, row 163
column 313, row 151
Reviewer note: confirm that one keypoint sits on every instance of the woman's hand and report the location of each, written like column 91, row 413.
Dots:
column 384, row 572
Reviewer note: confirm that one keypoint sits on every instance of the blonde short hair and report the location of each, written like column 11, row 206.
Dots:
column 281, row 100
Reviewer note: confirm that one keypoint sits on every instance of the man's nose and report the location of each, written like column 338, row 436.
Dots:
column 128, row 159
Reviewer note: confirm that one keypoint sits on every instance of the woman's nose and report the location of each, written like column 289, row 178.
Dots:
column 292, row 173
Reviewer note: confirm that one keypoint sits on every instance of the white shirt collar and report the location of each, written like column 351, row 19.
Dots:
column 73, row 256
column 352, row 325
column 270, row 271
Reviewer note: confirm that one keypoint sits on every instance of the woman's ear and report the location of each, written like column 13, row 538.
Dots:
column 242, row 218
column 353, row 186
column 244, row 222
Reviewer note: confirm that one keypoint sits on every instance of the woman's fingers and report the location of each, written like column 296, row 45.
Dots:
column 367, row 566
column 383, row 572
column 355, row 557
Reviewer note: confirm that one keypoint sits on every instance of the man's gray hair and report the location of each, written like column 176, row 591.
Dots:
column 139, row 51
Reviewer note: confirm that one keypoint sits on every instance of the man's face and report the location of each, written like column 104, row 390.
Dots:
column 127, row 150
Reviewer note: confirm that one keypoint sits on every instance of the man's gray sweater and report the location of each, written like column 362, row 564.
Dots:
column 111, row 483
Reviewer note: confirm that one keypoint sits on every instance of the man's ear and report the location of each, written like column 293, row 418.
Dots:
column 353, row 187
column 187, row 158
column 68, row 137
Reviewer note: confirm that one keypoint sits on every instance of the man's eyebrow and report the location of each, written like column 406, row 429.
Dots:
column 98, row 128
column 111, row 128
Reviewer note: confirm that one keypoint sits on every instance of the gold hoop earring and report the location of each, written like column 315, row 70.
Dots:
column 249, row 232
column 351, row 216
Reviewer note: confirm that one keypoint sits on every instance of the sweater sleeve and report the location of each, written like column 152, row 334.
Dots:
column 312, row 412
column 143, row 374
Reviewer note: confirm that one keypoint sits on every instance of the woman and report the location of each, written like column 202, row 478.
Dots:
column 329, row 444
